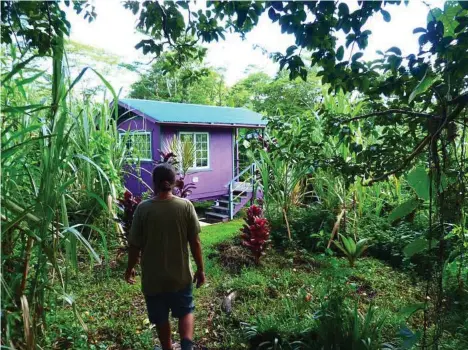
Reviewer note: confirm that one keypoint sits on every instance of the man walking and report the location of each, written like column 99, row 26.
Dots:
column 163, row 229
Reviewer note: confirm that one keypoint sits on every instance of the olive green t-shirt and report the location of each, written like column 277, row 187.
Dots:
column 162, row 229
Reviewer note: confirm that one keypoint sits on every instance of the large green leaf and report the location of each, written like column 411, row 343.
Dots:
column 340, row 53
column 419, row 180
column 340, row 247
column 17, row 68
column 361, row 247
column 403, row 209
column 417, row 246
column 409, row 310
column 394, row 50
column 452, row 9
column 423, row 86
column 409, row 338
column 349, row 245
column 79, row 236
column 30, row 79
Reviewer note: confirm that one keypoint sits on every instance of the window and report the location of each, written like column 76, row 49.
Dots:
column 138, row 144
column 202, row 148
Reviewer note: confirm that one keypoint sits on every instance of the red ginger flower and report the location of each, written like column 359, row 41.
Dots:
column 256, row 232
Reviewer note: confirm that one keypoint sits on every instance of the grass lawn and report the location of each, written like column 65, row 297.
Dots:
column 278, row 296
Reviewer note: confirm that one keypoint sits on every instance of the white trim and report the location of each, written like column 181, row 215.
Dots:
column 207, row 167
column 140, row 132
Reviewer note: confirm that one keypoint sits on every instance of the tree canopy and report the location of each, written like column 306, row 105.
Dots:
column 191, row 82
column 276, row 96
column 400, row 89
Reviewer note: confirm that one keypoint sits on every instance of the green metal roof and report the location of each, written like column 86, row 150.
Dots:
column 169, row 112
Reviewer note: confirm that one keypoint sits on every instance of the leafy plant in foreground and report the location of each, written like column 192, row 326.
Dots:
column 255, row 232
column 56, row 166
column 340, row 327
column 351, row 249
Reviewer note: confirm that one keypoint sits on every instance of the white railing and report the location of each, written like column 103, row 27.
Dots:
column 232, row 187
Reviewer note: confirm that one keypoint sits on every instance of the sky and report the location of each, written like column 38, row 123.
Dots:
column 114, row 31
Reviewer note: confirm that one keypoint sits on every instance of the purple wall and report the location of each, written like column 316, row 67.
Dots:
column 132, row 181
column 211, row 182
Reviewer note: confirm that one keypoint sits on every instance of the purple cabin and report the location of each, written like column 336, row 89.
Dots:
column 216, row 172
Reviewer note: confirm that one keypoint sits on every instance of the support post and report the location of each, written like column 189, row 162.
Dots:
column 252, row 181
column 231, row 202
column 237, row 165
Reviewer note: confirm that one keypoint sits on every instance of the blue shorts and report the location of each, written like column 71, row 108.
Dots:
column 179, row 303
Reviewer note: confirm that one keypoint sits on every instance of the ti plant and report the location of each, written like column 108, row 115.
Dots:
column 127, row 205
column 182, row 189
column 255, row 232
column 352, row 249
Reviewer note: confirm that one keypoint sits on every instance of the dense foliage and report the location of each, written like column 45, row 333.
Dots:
column 61, row 163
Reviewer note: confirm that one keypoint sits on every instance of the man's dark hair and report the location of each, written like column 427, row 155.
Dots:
column 164, row 177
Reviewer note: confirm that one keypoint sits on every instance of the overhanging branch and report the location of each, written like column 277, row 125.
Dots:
column 461, row 99
column 392, row 111
column 456, row 111
column 405, row 162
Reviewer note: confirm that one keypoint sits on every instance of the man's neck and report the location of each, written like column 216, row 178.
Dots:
column 164, row 195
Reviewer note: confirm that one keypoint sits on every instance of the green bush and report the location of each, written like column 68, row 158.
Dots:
column 335, row 324
column 343, row 327
column 388, row 243
column 202, row 207
column 310, row 227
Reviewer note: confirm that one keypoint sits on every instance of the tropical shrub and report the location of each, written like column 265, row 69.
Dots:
column 255, row 232
column 282, row 182
column 183, row 154
column 393, row 244
column 342, row 327
column 333, row 324
column 351, row 249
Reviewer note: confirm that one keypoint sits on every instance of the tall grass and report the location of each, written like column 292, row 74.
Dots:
column 61, row 159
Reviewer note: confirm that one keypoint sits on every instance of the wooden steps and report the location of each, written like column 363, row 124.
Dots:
column 220, row 212
column 239, row 192
column 213, row 217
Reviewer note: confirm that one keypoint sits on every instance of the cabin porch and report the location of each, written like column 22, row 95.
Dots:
column 240, row 192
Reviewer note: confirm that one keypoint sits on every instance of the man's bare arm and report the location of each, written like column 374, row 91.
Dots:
column 133, row 255
column 196, row 249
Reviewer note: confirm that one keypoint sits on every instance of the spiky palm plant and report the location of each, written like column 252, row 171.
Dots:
column 183, row 151
column 351, row 249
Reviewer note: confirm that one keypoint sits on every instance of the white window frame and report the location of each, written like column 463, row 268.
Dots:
column 194, row 167
column 139, row 132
